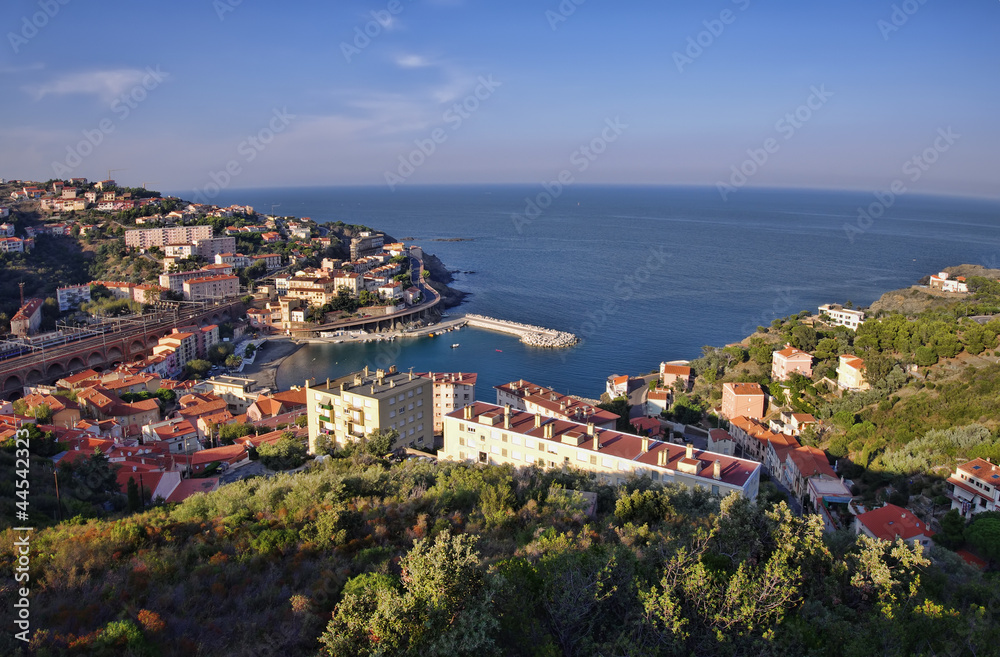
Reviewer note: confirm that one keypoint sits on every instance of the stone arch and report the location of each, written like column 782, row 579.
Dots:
column 95, row 358
column 13, row 383
column 76, row 363
column 34, row 376
column 114, row 353
column 55, row 370
column 136, row 346
column 216, row 318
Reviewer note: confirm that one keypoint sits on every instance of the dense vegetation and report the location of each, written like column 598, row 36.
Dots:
column 356, row 557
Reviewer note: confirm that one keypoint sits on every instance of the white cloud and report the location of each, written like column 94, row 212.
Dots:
column 412, row 61
column 106, row 85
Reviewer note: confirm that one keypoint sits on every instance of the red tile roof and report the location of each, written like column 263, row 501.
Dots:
column 892, row 521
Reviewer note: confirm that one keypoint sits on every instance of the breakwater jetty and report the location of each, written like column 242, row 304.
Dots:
column 533, row 336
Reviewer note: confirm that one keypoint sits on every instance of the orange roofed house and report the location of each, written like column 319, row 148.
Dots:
column 746, row 399
column 790, row 360
column 851, row 373
column 669, row 374
column 892, row 522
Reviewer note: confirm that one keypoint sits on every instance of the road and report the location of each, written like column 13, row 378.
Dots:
column 431, row 297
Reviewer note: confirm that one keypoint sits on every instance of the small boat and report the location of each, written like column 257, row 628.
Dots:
column 431, row 335
column 455, row 346
column 500, row 350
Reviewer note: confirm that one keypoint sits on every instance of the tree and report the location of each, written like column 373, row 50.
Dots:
column 441, row 606
column 133, row 495
column 197, row 368
column 804, row 338
column 285, row 454
column 233, row 361
column 926, row 356
column 984, row 535
column 952, row 532
column 166, row 395
column 379, row 442
column 619, row 406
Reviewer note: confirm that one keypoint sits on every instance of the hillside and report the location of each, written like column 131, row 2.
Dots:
column 356, row 557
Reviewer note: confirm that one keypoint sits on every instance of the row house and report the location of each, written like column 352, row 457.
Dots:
column 174, row 281
column 236, row 260
column 792, row 423
column 498, row 435
column 526, row 396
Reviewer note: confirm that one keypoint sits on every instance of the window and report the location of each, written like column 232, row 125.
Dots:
column 461, row 426
column 581, row 456
column 715, row 490
column 411, row 432
column 420, row 428
column 420, row 389
column 503, row 453
column 461, row 441
column 318, row 396
column 409, row 393
column 516, row 440
column 516, row 456
column 368, row 403
column 402, row 398
column 529, row 443
column 420, row 415
column 420, row 402
column 607, row 463
column 494, row 434
column 392, row 413
column 336, row 401
column 495, row 449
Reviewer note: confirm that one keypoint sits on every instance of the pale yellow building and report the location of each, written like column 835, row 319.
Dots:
column 352, row 407
column 497, row 435
column 851, row 373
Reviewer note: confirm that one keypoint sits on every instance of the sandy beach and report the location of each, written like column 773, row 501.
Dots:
column 265, row 368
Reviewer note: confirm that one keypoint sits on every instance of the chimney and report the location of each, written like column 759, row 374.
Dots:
column 467, row 412
column 538, row 420
column 392, row 369
column 366, row 370
column 690, row 451
column 506, row 416
column 590, row 428
column 411, row 375
column 717, row 470
column 597, row 443
column 645, row 445
column 661, row 457
column 547, row 431
column 327, row 383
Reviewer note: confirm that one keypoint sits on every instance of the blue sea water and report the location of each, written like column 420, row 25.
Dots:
column 641, row 274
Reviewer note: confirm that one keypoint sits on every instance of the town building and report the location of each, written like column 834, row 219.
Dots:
column 145, row 238
column 71, row 296
column 271, row 261
column 851, row 373
column 452, row 391
column 176, row 434
column 212, row 246
column 721, row 442
column 743, row 399
column 974, row 487
column 366, row 244
column 211, row 288
column 350, row 408
column 838, row 315
column 526, row 396
column 27, row 319
column 658, row 401
column 174, row 281
column 790, row 361
column 892, row 522
column 498, row 435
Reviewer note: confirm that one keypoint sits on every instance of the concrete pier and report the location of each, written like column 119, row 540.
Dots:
column 533, row 336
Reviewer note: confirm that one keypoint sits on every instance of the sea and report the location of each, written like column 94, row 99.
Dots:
column 641, row 274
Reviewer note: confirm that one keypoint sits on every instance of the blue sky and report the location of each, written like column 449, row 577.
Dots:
column 174, row 92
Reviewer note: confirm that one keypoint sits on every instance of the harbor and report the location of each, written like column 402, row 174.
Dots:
column 530, row 335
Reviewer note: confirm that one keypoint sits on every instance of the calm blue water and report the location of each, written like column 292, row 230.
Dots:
column 642, row 274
